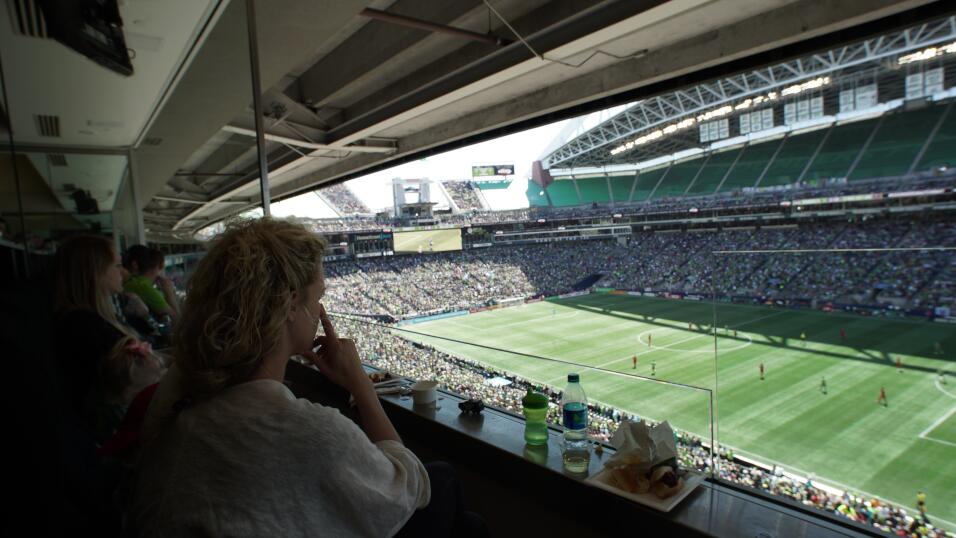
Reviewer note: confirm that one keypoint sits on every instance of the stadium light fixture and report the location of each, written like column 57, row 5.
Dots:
column 721, row 112
column 927, row 54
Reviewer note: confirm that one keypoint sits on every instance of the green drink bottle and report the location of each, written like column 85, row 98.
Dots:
column 535, row 407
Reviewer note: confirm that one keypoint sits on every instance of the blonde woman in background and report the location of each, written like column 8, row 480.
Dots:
column 228, row 449
column 89, row 274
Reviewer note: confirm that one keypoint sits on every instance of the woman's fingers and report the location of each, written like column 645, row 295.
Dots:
column 327, row 326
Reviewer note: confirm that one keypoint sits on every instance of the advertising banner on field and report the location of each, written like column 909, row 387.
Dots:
column 645, row 294
column 604, row 290
column 620, row 292
column 572, row 294
column 693, row 297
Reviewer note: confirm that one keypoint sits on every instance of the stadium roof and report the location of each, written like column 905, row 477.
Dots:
column 668, row 123
column 350, row 86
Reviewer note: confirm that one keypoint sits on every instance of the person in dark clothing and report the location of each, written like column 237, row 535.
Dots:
column 89, row 273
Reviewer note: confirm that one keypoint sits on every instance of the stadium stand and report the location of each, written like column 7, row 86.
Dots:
column 840, row 150
column 713, row 172
column 463, row 194
column 678, row 179
column 751, row 165
column 343, row 199
column 674, row 262
column 646, row 182
column 594, row 190
column 940, row 150
column 563, row 193
column 794, row 154
column 896, row 144
column 621, row 187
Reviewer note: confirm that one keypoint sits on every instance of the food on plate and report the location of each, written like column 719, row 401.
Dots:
column 665, row 482
column 378, row 377
column 634, row 476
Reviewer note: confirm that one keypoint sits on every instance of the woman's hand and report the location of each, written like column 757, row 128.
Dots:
column 338, row 359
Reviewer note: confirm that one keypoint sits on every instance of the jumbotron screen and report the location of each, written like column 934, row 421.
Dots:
column 427, row 241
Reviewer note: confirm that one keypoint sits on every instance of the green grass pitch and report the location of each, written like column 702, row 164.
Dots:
column 844, row 438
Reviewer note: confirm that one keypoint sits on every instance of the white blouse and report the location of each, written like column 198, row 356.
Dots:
column 257, row 461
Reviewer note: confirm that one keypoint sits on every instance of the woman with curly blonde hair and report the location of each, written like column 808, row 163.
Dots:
column 227, row 448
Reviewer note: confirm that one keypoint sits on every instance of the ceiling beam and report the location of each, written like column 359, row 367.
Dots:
column 309, row 145
column 338, row 72
column 413, row 22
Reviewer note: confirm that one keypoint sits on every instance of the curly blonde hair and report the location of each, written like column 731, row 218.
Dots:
column 238, row 298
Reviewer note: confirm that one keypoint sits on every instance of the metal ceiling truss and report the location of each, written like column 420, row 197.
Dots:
column 657, row 111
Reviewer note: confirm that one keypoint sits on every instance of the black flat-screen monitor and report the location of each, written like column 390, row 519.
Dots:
column 93, row 28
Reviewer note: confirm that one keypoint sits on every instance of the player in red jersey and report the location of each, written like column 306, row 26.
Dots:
column 843, row 334
column 899, row 364
column 882, row 398
column 634, row 362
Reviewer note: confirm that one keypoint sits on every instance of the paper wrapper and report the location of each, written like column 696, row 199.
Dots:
column 639, row 445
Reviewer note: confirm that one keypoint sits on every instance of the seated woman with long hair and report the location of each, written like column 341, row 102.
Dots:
column 226, row 447
column 89, row 274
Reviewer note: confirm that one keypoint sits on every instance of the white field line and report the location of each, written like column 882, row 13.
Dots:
column 938, row 421
column 925, row 433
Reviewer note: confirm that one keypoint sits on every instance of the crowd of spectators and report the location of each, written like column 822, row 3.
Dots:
column 463, row 194
column 817, row 262
column 343, row 199
column 382, row 347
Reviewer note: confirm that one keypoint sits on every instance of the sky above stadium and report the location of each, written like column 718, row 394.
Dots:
column 519, row 149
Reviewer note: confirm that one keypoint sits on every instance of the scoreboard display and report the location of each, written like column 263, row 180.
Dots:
column 427, row 241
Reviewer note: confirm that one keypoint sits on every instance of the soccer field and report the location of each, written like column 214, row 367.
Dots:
column 843, row 437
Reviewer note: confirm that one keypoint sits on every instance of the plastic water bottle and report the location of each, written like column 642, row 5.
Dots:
column 574, row 408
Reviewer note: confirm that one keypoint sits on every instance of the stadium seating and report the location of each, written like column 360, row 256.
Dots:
column 678, row 179
column 796, row 152
column 621, row 187
column 594, row 189
column 535, row 195
column 896, row 144
column 840, row 150
column 646, row 182
column 713, row 172
column 563, row 193
column 751, row 165
column 942, row 150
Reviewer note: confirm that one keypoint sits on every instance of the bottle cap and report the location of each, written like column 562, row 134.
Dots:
column 534, row 400
column 573, row 378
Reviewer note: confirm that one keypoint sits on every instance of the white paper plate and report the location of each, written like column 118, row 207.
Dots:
column 692, row 479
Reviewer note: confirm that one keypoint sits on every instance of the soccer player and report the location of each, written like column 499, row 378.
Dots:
column 803, row 338
column 735, row 333
column 761, row 371
column 937, row 348
column 843, row 334
column 942, row 376
column 899, row 364
column 690, row 326
column 882, row 398
column 823, row 385
column 649, row 335
column 634, row 362
column 653, row 368
column 921, row 505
